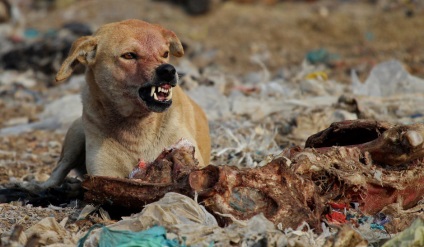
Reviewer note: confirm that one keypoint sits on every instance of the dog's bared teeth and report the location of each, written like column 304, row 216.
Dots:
column 169, row 97
column 155, row 96
column 161, row 89
column 152, row 92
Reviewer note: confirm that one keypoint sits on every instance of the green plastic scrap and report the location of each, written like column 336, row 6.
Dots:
column 413, row 236
column 153, row 237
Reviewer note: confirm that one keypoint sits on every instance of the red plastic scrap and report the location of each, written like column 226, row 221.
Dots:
column 141, row 164
column 336, row 218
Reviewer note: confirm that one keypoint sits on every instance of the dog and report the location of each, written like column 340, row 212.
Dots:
column 133, row 107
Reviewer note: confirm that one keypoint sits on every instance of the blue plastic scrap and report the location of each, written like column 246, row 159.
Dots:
column 363, row 219
column 153, row 237
column 381, row 219
column 320, row 56
column 377, row 226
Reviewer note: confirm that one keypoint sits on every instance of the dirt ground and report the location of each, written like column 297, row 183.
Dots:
column 228, row 39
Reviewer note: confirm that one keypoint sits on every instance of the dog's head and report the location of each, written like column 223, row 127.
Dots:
column 128, row 63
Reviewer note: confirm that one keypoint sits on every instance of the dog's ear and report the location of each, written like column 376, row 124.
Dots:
column 83, row 51
column 175, row 45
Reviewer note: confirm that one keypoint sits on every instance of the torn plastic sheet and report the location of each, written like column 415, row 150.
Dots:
column 152, row 237
column 387, row 79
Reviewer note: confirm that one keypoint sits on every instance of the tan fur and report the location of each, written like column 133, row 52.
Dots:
column 116, row 128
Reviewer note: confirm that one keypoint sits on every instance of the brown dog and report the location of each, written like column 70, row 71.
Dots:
column 132, row 105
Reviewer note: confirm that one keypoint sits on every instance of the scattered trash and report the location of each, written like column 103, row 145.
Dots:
column 318, row 75
column 52, row 232
column 346, row 237
column 180, row 215
column 336, row 218
column 320, row 56
column 54, row 111
column 53, row 116
column 387, row 79
column 42, row 52
column 88, row 209
column 412, row 236
column 46, row 232
column 10, row 77
column 210, row 98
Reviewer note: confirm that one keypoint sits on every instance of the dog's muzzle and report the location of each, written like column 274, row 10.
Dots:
column 158, row 94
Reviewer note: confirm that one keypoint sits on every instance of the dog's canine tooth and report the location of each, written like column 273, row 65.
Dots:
column 152, row 92
column 155, row 96
column 169, row 95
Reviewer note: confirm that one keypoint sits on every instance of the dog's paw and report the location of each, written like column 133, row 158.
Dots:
column 39, row 194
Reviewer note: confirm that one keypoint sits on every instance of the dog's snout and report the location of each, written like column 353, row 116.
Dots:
column 166, row 72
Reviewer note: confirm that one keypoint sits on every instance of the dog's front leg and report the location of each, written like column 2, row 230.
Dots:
column 72, row 156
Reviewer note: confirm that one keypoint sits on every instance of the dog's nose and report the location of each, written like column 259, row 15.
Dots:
column 166, row 72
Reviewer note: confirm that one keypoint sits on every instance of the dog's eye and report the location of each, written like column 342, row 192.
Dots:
column 165, row 55
column 129, row 55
